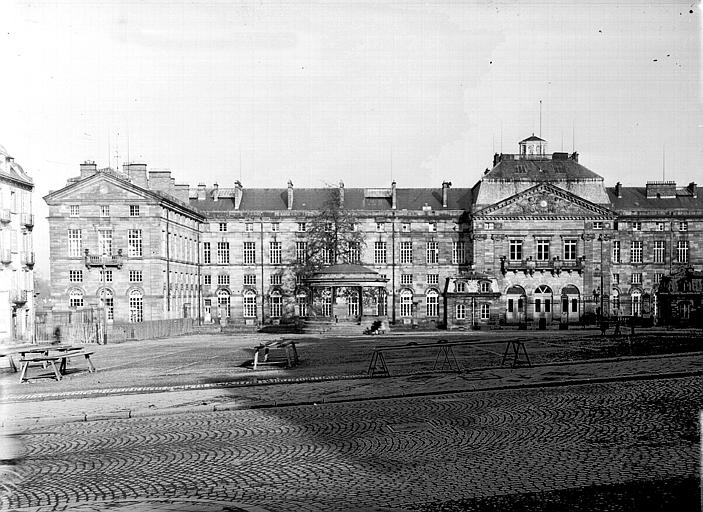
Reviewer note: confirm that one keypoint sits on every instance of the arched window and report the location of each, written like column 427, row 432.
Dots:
column 432, row 302
column 326, row 302
column 301, row 300
column 543, row 299
column 636, row 297
column 460, row 287
column 406, row 303
column 136, row 306
column 75, row 299
column 615, row 300
column 276, row 302
column 107, row 300
column 249, row 303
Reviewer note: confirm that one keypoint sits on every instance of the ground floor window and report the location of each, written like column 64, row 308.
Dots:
column 276, row 304
column 249, row 304
column 326, row 303
column 685, row 310
column 460, row 312
column 75, row 299
column 485, row 311
column 432, row 302
column 136, row 306
column 636, row 303
column 302, row 303
column 353, row 304
column 109, row 303
column 406, row 303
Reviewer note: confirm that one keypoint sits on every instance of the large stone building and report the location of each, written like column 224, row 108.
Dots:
column 16, row 252
column 538, row 240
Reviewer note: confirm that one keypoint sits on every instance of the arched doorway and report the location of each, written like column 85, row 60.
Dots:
column 515, row 306
column 136, row 306
column 249, row 304
column 406, row 303
column 223, row 303
column 570, row 304
column 107, row 300
column 615, row 302
column 543, row 304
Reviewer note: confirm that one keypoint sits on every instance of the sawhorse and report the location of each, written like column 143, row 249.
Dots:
column 518, row 347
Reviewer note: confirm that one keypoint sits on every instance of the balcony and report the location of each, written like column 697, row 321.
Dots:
column 18, row 296
column 5, row 215
column 28, row 220
column 530, row 266
column 28, row 259
column 112, row 261
column 5, row 256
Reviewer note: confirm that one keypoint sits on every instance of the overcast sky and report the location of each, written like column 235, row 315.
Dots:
column 315, row 92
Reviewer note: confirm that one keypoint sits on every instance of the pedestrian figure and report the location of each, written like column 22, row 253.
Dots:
column 266, row 355
column 57, row 335
column 603, row 327
column 617, row 329
column 632, row 325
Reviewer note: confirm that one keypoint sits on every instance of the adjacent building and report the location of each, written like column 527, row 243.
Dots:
column 16, row 252
column 539, row 240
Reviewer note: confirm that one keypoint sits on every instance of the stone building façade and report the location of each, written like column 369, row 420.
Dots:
column 16, row 252
column 538, row 240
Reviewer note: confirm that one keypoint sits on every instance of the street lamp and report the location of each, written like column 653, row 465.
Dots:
column 601, row 238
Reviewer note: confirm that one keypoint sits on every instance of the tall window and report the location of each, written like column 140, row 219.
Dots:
column 682, row 251
column 636, row 298
column 105, row 241
column 136, row 306
column 134, row 243
column 104, row 210
column 432, row 302
column 276, row 302
column 516, row 250
column 327, row 256
column 458, row 252
column 543, row 250
column 326, row 306
column 223, row 302
column 301, row 301
column 223, row 252
column 659, row 251
column 75, row 299
column 485, row 311
column 249, row 253
column 379, row 252
column 275, row 253
column 74, row 242
column 406, row 303
column 460, row 313
column 616, row 251
column 301, row 252
column 207, row 257
column 108, row 301
column 134, row 210
column 569, row 249
column 432, row 252
column 406, row 252
column 636, row 252
column 354, row 252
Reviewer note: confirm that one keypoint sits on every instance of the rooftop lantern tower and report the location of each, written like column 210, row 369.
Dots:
column 533, row 147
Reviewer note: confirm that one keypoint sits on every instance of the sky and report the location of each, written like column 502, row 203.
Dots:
column 363, row 92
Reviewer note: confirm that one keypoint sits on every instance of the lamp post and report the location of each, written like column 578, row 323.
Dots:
column 601, row 238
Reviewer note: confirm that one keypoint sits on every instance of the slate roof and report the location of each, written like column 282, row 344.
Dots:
column 310, row 199
column 538, row 169
column 635, row 198
column 12, row 170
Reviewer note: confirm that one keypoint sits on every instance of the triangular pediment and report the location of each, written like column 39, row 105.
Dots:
column 545, row 201
column 99, row 185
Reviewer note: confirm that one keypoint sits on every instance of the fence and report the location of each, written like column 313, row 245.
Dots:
column 151, row 329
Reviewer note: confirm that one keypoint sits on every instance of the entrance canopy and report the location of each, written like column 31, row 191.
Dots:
column 348, row 275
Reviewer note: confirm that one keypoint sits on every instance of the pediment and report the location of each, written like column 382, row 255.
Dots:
column 97, row 186
column 545, row 201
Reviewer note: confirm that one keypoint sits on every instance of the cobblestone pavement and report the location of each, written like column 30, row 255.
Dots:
column 395, row 454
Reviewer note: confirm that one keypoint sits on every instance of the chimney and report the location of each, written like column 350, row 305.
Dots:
column 137, row 174
column 618, row 189
column 237, row 194
column 290, row 195
column 496, row 159
column 575, row 156
column 215, row 192
column 693, row 189
column 161, row 181
column 394, row 198
column 445, row 192
column 88, row 168
column 341, row 194
column 181, row 192
column 201, row 192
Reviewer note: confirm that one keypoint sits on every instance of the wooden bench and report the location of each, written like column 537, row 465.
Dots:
column 60, row 358
column 10, row 360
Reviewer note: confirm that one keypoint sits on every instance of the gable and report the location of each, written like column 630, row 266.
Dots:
column 97, row 187
column 545, row 201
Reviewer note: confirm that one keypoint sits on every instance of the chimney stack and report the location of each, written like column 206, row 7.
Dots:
column 290, row 195
column 394, row 198
column 137, row 174
column 693, row 189
column 341, row 194
column 618, row 189
column 215, row 192
column 237, row 194
column 88, row 168
column 496, row 159
column 575, row 156
column 201, row 192
column 445, row 192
